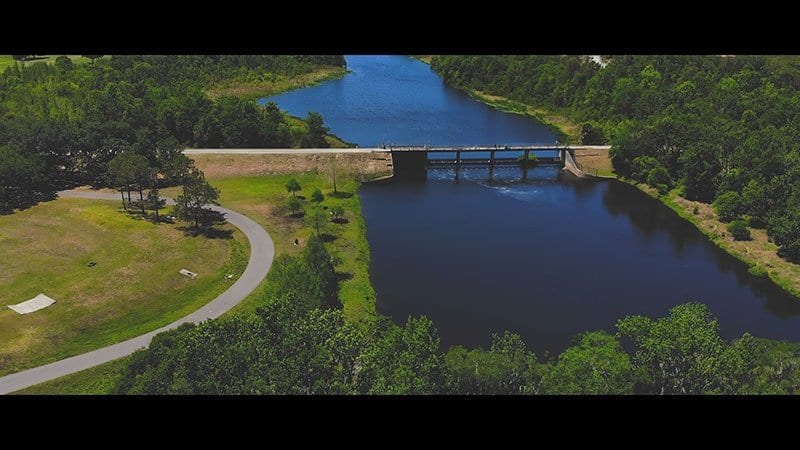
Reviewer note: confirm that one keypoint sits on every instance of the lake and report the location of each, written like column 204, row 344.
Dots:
column 547, row 257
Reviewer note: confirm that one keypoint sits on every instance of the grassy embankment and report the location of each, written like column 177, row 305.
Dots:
column 424, row 58
column 134, row 288
column 759, row 253
column 265, row 84
column 566, row 129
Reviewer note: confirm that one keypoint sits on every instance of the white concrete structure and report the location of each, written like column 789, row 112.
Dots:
column 41, row 301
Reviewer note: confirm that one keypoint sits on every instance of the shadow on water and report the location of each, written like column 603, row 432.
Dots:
column 550, row 256
column 650, row 218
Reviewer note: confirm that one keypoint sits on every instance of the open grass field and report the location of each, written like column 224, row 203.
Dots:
column 134, row 288
column 7, row 60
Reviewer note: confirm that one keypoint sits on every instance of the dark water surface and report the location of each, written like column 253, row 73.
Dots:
column 548, row 257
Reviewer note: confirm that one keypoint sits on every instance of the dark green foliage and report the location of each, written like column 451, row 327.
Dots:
column 317, row 220
column 294, row 206
column 191, row 204
column 72, row 120
column 678, row 354
column 728, row 206
column 403, row 360
column 715, row 124
column 317, row 196
column 320, row 263
column 595, row 365
column 22, row 179
column 738, row 229
column 658, row 176
column 316, row 131
column 592, row 133
column 293, row 186
column 507, row 368
column 291, row 346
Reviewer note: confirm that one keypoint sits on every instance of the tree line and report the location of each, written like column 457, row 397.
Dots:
column 300, row 344
column 61, row 124
column 721, row 129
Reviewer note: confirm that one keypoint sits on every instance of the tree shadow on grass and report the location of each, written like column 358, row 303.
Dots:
column 328, row 237
column 341, row 194
column 343, row 276
column 340, row 220
column 206, row 232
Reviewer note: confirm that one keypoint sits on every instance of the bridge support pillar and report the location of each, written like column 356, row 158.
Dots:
column 491, row 158
column 458, row 157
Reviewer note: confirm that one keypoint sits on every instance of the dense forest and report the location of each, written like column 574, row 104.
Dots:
column 720, row 129
column 299, row 343
column 62, row 123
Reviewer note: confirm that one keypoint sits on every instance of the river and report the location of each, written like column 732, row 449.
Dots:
column 546, row 257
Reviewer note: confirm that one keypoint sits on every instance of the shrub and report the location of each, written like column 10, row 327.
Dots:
column 738, row 228
column 695, row 210
column 658, row 176
column 317, row 196
column 790, row 251
column 728, row 205
column 662, row 188
column 758, row 271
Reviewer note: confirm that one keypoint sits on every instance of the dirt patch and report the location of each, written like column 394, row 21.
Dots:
column 364, row 166
column 593, row 161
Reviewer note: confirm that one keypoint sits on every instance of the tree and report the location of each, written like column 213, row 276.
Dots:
column 316, row 131
column 507, row 368
column 739, row 231
column 190, row 205
column 292, row 186
column 591, row 133
column 22, row 179
column 595, row 365
column 294, row 205
column 320, row 263
column 403, row 360
column 317, row 196
column 128, row 171
column 317, row 219
column 677, row 354
column 154, row 202
column 92, row 57
column 728, row 206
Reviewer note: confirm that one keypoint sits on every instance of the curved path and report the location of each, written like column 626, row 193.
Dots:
column 262, row 251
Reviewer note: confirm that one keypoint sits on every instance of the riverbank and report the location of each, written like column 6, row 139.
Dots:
column 567, row 130
column 759, row 253
column 423, row 58
column 253, row 87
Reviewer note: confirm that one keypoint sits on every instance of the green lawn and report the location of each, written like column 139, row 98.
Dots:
column 134, row 288
column 7, row 60
column 97, row 380
column 260, row 199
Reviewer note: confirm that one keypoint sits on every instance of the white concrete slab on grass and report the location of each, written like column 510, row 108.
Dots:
column 41, row 301
column 188, row 273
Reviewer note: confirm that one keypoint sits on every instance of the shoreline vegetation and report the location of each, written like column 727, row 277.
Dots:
column 254, row 86
column 567, row 130
column 760, row 254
